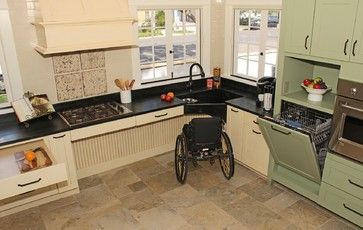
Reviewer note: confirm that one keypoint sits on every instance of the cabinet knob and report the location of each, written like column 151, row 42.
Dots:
column 353, row 91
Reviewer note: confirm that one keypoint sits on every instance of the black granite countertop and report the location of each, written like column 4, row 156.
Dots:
column 11, row 131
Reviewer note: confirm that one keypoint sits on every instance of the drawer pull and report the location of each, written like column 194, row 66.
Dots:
column 256, row 132
column 352, row 210
column 286, row 133
column 353, row 183
column 161, row 115
column 58, row 137
column 236, row 111
column 255, row 122
column 33, row 182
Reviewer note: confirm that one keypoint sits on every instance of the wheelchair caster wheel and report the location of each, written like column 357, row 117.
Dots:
column 212, row 161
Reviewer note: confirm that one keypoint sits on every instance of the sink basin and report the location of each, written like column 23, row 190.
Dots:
column 210, row 102
column 209, row 96
column 190, row 100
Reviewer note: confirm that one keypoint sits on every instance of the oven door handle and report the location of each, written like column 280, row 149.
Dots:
column 352, row 108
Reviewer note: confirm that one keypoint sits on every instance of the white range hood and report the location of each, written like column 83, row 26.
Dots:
column 73, row 25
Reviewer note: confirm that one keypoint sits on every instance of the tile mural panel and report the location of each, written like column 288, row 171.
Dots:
column 69, row 86
column 66, row 63
column 92, row 60
column 94, row 82
column 80, row 74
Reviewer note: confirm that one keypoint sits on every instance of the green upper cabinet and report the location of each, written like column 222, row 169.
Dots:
column 333, row 28
column 299, row 16
column 357, row 47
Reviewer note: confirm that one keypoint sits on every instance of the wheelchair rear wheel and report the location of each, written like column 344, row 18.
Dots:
column 181, row 158
column 226, row 158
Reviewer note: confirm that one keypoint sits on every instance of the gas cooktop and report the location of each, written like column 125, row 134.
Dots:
column 91, row 113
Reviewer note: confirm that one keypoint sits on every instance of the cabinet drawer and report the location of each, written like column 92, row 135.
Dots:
column 13, row 182
column 341, row 203
column 159, row 115
column 344, row 177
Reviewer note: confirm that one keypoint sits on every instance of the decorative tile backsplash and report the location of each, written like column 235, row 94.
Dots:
column 67, row 63
column 80, row 75
column 69, row 86
column 92, row 60
column 94, row 82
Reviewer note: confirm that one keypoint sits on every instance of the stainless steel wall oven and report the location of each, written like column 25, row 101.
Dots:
column 347, row 137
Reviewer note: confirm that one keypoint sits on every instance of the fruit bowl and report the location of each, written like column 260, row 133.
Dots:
column 315, row 94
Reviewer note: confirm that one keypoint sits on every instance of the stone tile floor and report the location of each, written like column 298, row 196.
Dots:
column 146, row 195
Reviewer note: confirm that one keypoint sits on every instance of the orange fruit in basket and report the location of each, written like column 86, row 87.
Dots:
column 30, row 156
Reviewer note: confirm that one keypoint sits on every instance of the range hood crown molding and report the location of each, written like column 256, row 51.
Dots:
column 75, row 25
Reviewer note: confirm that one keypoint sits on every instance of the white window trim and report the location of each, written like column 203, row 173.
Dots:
column 8, row 58
column 204, row 5
column 230, row 7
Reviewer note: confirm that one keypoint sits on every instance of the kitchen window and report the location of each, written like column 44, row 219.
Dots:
column 256, row 38
column 10, row 79
column 169, row 42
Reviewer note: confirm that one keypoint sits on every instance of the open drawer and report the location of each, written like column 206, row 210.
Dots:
column 14, row 182
column 291, row 149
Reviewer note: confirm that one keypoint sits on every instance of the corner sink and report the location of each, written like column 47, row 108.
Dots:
column 190, row 100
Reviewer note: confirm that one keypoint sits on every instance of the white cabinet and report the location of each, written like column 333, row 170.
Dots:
column 235, row 130
column 60, row 145
column 159, row 115
column 249, row 146
column 256, row 152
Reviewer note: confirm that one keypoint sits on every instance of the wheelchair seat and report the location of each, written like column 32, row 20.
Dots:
column 203, row 133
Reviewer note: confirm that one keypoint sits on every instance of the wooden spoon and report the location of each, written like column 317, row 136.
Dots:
column 118, row 83
column 132, row 83
column 127, row 84
column 123, row 87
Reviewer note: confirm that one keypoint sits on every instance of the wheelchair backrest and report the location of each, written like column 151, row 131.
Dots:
column 205, row 130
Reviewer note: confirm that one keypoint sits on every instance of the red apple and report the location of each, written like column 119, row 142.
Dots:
column 162, row 97
column 168, row 98
column 317, row 86
column 307, row 82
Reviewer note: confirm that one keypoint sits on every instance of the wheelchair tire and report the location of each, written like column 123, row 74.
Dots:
column 226, row 158
column 181, row 159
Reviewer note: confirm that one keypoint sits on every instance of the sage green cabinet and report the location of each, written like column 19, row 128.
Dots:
column 341, row 189
column 291, row 149
column 333, row 28
column 298, row 16
column 357, row 47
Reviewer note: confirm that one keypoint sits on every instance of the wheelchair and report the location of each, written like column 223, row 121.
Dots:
column 203, row 140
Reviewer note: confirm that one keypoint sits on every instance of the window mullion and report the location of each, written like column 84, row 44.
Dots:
column 263, row 39
column 169, row 41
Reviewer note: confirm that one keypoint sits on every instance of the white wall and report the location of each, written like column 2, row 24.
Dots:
column 37, row 70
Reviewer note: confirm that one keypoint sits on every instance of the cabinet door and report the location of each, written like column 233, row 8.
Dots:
column 357, row 48
column 291, row 149
column 298, row 19
column 333, row 28
column 61, row 146
column 234, row 130
column 255, row 150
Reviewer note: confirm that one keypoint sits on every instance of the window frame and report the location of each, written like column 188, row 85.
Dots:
column 230, row 7
column 8, row 60
column 205, row 8
column 169, row 41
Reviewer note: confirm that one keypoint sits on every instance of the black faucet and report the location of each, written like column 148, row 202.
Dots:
column 202, row 74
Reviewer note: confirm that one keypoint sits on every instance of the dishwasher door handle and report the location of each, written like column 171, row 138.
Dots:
column 280, row 131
